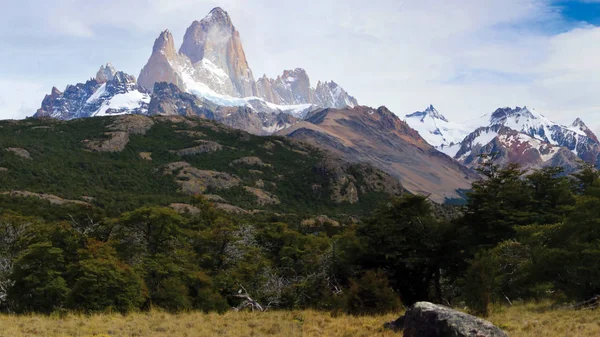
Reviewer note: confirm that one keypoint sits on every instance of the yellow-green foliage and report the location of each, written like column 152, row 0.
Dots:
column 521, row 320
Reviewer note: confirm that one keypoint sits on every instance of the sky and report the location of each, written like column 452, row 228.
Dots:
column 466, row 57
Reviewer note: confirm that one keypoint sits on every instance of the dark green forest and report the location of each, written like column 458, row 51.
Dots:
column 522, row 235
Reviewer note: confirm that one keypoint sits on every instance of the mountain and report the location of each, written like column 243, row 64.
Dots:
column 120, row 163
column 510, row 146
column 437, row 130
column 111, row 92
column 378, row 136
column 211, row 63
column 519, row 134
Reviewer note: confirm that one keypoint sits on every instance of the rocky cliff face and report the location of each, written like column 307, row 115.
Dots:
column 293, row 87
column 215, row 39
column 160, row 65
column 211, row 63
column 106, row 73
column 111, row 92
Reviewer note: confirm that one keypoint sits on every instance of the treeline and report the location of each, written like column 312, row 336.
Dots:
column 523, row 235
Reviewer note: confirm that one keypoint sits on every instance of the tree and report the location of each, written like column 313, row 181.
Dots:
column 38, row 282
column 404, row 239
column 102, row 282
column 551, row 195
column 495, row 205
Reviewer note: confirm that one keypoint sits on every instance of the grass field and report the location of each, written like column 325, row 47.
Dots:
column 518, row 321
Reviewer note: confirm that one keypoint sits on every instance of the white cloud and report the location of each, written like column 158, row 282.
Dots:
column 16, row 98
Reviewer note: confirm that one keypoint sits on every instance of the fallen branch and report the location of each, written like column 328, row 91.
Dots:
column 592, row 303
column 248, row 302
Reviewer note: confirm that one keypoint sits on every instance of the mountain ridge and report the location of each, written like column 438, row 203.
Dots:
column 378, row 136
column 519, row 134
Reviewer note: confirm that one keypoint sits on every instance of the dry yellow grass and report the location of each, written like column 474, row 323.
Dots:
column 156, row 323
column 540, row 321
column 518, row 321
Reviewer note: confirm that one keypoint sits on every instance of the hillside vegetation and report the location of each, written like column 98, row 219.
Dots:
column 159, row 235
column 121, row 163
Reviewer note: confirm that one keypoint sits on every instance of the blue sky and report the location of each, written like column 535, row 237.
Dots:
column 466, row 57
column 577, row 11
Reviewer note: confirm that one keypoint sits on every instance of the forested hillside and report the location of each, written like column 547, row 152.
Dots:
column 121, row 163
column 129, row 213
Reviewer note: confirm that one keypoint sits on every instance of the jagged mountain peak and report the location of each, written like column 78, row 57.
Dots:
column 579, row 123
column 209, row 36
column 429, row 112
column 164, row 44
column 501, row 115
column 99, row 96
column 217, row 15
column 106, row 73
column 293, row 75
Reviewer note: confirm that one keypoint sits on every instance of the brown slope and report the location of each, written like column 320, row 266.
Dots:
column 379, row 137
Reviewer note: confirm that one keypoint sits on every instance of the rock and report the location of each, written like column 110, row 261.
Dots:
column 250, row 161
column 184, row 208
column 320, row 220
column 195, row 181
column 214, row 198
column 426, row 319
column 19, row 152
column 268, row 145
column 88, row 198
column 169, row 100
column 231, row 209
column 146, row 155
column 204, row 147
column 121, row 128
column 132, row 124
column 263, row 197
column 53, row 199
column 115, row 142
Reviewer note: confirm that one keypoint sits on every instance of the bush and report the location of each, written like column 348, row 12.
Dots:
column 371, row 294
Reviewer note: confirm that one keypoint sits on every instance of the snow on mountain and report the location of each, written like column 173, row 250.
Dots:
column 519, row 134
column 123, row 103
column 525, row 136
column 111, row 92
column 533, row 123
column 437, row 130
column 577, row 138
column 510, row 146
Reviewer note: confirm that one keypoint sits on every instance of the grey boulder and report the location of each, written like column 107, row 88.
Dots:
column 426, row 319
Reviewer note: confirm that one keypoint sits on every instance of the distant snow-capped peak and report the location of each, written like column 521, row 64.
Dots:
column 437, row 130
column 430, row 112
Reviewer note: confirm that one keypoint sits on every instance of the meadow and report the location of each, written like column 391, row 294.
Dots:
column 520, row 320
